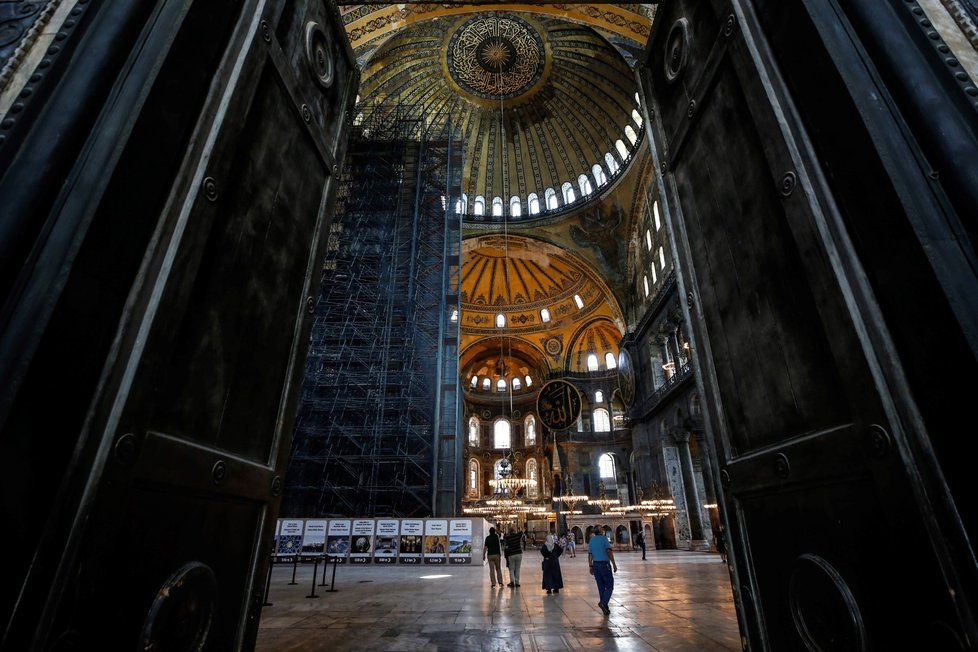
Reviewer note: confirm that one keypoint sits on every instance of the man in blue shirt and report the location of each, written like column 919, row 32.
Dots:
column 601, row 560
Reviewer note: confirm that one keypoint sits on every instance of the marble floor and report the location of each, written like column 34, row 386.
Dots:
column 675, row 601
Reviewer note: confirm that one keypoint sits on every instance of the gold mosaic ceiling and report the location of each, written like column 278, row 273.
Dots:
column 537, row 100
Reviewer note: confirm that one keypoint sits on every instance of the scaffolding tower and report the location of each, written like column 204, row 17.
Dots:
column 378, row 422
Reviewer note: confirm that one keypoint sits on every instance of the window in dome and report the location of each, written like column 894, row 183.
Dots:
column 599, row 396
column 479, row 208
column 630, row 134
column 500, row 320
column 638, row 101
column 655, row 214
column 534, row 203
column 551, row 197
column 501, row 385
column 585, row 185
column 568, row 191
column 529, row 381
column 517, row 385
column 486, row 384
column 475, row 381
column 599, row 176
column 454, row 317
column 609, row 360
column 462, row 204
column 622, row 149
column 515, row 207
column 654, row 276
column 609, row 158
column 648, row 239
column 662, row 258
column 579, row 301
column 637, row 117
column 592, row 362
column 646, row 279
column 497, row 206
column 544, row 315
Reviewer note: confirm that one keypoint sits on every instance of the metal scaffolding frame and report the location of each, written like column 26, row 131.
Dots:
column 377, row 428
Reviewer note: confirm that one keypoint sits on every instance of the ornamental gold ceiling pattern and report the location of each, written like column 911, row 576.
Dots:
column 547, row 296
column 537, row 101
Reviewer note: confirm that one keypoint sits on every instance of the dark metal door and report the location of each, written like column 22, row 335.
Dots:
column 795, row 198
column 165, row 354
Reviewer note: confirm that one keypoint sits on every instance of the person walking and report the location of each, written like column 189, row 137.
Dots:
column 514, row 554
column 572, row 543
column 640, row 540
column 553, row 580
column 491, row 551
column 601, row 563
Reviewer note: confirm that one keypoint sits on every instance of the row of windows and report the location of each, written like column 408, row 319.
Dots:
column 502, row 430
column 606, row 470
column 501, row 385
column 544, row 313
column 568, row 192
column 609, row 361
column 660, row 253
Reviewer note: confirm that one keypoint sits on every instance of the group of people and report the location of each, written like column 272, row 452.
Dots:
column 601, row 561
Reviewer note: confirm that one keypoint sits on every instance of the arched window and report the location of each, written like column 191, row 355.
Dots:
column 662, row 258
column 630, row 134
column 602, row 422
column 501, row 385
column 462, row 204
column 515, row 207
column 579, row 301
column 655, row 214
column 500, row 434
column 637, row 118
column 612, row 162
column 517, row 385
column 648, row 239
column 645, row 278
column 567, row 190
column 530, row 428
column 606, row 466
column 638, row 102
column 486, row 384
column 474, row 431
column 500, row 320
column 475, row 381
column 585, row 185
column 454, row 317
column 473, row 477
column 609, row 360
column 544, row 315
column 654, row 276
column 479, row 208
column 534, row 203
column 532, row 473
column 551, row 196
column 529, row 381
column 599, row 176
column 622, row 149
column 599, row 396
column 497, row 206
column 592, row 362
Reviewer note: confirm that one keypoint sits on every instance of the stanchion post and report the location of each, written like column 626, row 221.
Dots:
column 332, row 585
column 325, row 564
column 295, row 565
column 315, row 568
column 268, row 581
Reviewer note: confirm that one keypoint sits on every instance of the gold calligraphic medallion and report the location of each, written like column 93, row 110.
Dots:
column 559, row 405
column 496, row 57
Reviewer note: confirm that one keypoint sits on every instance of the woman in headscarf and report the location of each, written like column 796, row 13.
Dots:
column 553, row 581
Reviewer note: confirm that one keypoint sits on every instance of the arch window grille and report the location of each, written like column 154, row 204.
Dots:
column 533, row 202
column 501, row 434
column 602, row 422
column 551, row 196
column 479, row 207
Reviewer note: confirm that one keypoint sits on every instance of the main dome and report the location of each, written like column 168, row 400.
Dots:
column 545, row 109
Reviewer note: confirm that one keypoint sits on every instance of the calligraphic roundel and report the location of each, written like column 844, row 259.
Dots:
column 559, row 405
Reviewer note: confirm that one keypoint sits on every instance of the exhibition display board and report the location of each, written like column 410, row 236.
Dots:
column 380, row 540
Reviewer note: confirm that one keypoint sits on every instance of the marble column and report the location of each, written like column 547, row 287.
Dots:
column 699, row 536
